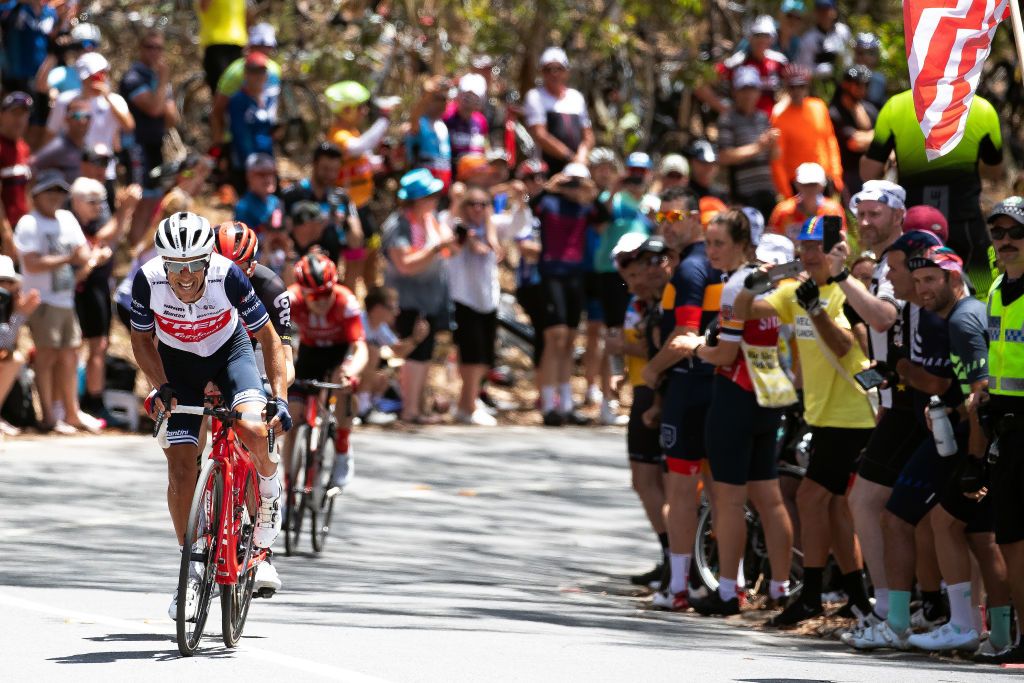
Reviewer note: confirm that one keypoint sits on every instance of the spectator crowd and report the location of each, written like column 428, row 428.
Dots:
column 658, row 263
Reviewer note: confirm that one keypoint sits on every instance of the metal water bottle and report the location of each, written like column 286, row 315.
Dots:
column 942, row 428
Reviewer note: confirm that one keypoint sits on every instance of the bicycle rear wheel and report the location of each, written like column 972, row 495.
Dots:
column 235, row 600
column 299, row 113
column 322, row 497
column 201, row 542
column 295, row 499
column 195, row 106
column 705, row 550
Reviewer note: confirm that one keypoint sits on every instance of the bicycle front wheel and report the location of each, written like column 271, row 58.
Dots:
column 705, row 550
column 295, row 498
column 323, row 495
column 234, row 600
column 198, row 571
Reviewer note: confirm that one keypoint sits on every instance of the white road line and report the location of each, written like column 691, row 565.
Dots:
column 324, row 670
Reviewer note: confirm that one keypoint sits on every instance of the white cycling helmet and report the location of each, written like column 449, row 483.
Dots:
column 184, row 235
column 84, row 32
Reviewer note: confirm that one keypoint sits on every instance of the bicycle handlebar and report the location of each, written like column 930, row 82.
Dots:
column 312, row 384
column 223, row 414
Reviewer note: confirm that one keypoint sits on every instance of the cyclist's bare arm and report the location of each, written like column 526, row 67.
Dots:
column 355, row 361
column 274, row 361
column 148, row 359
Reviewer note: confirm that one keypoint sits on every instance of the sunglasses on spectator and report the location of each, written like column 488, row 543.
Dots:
column 673, row 216
column 95, row 201
column 536, row 177
column 1014, row 233
column 476, row 204
column 675, row 175
column 80, row 115
column 179, row 267
column 152, row 46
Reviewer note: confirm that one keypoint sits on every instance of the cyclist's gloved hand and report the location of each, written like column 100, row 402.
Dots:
column 278, row 407
column 808, row 296
column 165, row 394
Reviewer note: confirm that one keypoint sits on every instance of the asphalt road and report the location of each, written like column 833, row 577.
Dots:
column 460, row 554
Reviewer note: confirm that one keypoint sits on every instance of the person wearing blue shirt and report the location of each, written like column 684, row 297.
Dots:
column 27, row 27
column 249, row 119
column 260, row 208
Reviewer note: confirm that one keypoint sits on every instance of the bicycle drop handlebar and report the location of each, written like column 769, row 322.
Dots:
column 225, row 415
column 312, row 385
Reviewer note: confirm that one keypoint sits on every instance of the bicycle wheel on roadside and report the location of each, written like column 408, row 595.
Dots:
column 295, row 499
column 323, row 495
column 299, row 113
column 235, row 600
column 197, row 565
column 705, row 550
column 194, row 106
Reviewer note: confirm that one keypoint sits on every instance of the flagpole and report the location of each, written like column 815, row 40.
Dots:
column 1018, row 33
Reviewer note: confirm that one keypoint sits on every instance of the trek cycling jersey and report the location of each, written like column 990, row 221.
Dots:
column 204, row 326
column 341, row 324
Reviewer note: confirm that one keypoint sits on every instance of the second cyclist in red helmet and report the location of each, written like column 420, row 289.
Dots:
column 332, row 344
column 238, row 242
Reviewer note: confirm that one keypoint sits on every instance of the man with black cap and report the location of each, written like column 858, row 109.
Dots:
column 825, row 47
column 14, row 170
column 1001, row 407
column 703, row 168
column 50, row 244
column 853, row 119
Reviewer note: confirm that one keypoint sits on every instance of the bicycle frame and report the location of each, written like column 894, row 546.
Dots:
column 234, row 462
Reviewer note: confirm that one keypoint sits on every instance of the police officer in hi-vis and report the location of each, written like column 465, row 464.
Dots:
column 998, row 466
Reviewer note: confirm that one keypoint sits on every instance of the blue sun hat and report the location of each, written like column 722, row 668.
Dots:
column 418, row 184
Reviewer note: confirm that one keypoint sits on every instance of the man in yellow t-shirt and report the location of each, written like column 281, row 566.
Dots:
column 222, row 36
column 838, row 412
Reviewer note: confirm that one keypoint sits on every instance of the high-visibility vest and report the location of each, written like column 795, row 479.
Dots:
column 1006, row 345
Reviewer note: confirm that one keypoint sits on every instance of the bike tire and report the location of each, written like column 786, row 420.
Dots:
column 195, row 105
column 202, row 529
column 300, row 114
column 323, row 499
column 235, row 600
column 295, row 500
column 705, row 551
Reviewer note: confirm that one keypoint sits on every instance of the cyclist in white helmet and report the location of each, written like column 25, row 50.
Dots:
column 199, row 305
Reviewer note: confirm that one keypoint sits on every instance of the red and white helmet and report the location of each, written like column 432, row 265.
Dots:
column 237, row 241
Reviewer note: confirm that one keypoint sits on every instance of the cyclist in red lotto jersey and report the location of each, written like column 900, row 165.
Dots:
column 332, row 347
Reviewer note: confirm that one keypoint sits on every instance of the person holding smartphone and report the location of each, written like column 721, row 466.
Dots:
column 835, row 408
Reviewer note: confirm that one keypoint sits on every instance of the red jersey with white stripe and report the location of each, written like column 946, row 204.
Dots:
column 764, row 332
column 341, row 324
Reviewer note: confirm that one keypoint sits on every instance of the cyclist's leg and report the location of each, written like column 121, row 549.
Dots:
column 240, row 381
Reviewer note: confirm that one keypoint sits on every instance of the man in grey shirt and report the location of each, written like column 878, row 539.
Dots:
column 64, row 152
column 746, row 144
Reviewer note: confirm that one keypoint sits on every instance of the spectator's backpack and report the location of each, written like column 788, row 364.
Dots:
column 18, row 409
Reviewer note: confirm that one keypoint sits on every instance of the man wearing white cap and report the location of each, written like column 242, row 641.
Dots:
column 109, row 112
column 467, row 126
column 810, row 200
column 556, row 115
column 761, row 34
column 746, row 144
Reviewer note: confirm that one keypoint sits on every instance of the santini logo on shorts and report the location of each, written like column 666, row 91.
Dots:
column 190, row 332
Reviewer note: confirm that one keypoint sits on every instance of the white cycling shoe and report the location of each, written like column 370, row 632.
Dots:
column 945, row 638
column 267, row 581
column 268, row 522
column 344, row 470
column 876, row 635
column 191, row 602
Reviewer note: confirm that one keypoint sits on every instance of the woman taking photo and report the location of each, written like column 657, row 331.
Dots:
column 415, row 244
column 749, row 392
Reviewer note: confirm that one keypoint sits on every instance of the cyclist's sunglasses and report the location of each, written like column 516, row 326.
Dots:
column 1014, row 233
column 315, row 295
column 179, row 267
column 673, row 216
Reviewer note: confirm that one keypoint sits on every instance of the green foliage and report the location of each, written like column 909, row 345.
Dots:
column 893, row 61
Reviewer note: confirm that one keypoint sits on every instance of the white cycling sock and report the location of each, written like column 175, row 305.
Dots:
column 960, row 605
column 882, row 602
column 777, row 589
column 565, row 397
column 547, row 399
column 270, row 487
column 726, row 588
column 680, row 570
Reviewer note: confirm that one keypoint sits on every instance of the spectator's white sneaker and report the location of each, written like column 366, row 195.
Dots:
column 610, row 414
column 90, row 423
column 593, row 396
column 268, row 522
column 877, row 636
column 379, row 419
column 267, row 581
column 477, row 417
column 946, row 637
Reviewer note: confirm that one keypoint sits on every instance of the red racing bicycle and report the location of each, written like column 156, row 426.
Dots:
column 219, row 535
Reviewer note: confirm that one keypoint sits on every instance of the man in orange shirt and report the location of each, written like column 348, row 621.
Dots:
column 789, row 215
column 805, row 132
